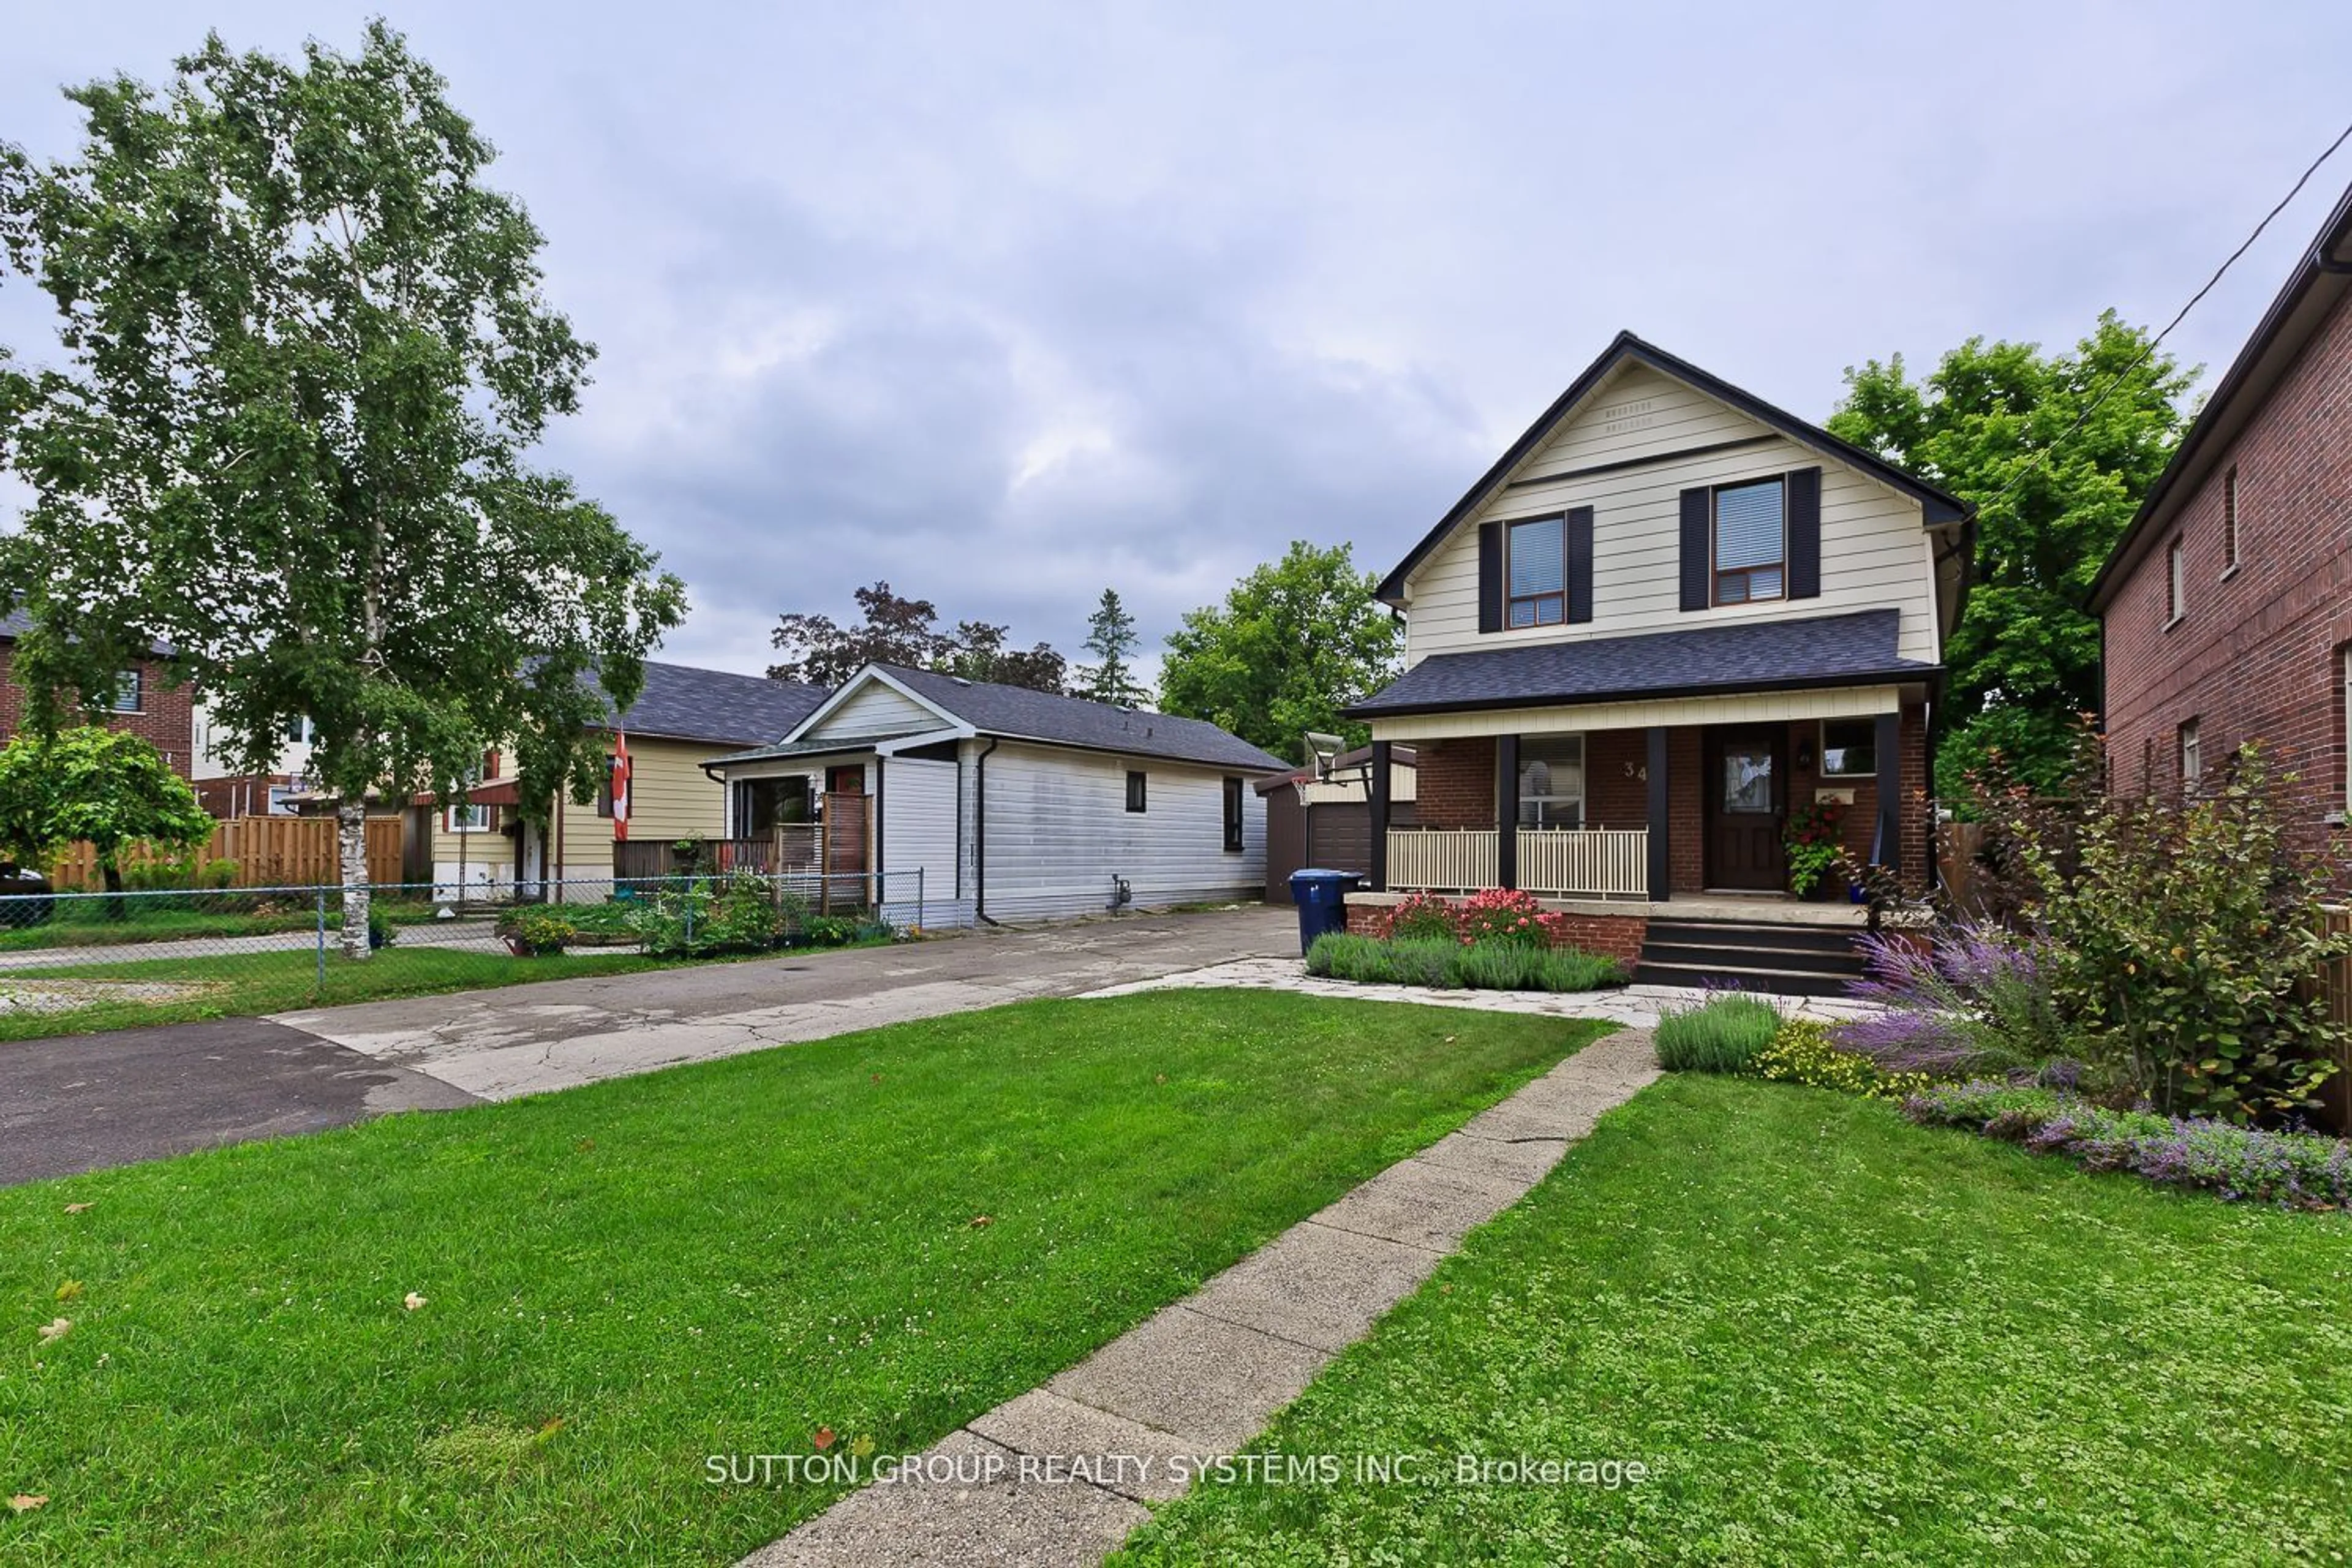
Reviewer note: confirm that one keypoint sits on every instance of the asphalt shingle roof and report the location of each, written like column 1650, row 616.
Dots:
column 718, row 706
column 1017, row 712
column 1854, row 649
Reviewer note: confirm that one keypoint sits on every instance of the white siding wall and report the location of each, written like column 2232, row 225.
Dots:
column 875, row 708
column 918, row 831
column 1875, row 552
column 1058, row 830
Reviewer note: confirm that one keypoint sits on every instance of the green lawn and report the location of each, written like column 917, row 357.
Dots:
column 85, row 921
column 1835, row 1337
column 885, row 1234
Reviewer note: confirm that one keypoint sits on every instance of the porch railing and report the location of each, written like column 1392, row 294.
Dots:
column 1443, row 859
column 1553, row 862
column 1608, row 861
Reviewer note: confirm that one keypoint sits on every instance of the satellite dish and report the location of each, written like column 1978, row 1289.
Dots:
column 1322, row 750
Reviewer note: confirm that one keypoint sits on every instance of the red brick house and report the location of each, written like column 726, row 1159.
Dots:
column 145, row 701
column 2226, row 608
column 1667, row 617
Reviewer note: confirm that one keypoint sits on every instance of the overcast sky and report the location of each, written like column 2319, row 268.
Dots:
column 1005, row 303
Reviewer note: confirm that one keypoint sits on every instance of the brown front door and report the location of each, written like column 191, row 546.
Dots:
column 1746, row 788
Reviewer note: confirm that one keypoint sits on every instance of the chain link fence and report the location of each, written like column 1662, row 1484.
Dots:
column 70, row 962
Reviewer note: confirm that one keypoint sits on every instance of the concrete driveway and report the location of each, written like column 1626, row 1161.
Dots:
column 82, row 1102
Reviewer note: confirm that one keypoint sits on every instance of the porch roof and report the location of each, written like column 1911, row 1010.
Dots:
column 1854, row 649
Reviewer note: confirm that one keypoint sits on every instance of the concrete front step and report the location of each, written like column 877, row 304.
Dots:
column 1687, row 954
column 1729, row 933
column 1725, row 977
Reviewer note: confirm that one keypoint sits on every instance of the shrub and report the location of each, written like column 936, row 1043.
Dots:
column 1422, row 916
column 1721, row 1034
column 1802, row 1053
column 1502, row 915
column 1973, row 999
column 532, row 932
column 2294, row 1170
column 1813, row 843
column 1515, row 966
column 2180, row 933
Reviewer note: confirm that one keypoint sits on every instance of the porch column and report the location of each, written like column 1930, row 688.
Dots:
column 1660, row 855
column 1377, row 879
column 1506, row 810
column 1888, row 850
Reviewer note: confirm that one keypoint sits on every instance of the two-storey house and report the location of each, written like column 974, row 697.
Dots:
column 2226, row 608
column 1667, row 615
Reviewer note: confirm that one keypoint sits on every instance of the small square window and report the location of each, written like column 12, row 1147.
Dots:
column 1849, row 748
column 130, row 691
column 469, row 818
column 1135, row 791
column 1552, row 780
column 1233, row 816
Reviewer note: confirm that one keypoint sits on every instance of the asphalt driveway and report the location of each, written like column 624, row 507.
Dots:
column 82, row 1102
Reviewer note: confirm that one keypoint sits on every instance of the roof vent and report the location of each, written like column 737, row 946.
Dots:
column 960, row 681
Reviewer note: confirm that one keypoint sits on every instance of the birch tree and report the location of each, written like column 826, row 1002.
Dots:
column 306, row 356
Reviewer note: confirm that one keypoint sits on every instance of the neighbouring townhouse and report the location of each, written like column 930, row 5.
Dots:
column 487, row 848
column 1009, row 803
column 145, row 701
column 2226, row 608
column 1668, row 617
column 228, row 793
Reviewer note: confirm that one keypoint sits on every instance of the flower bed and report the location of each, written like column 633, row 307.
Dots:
column 1451, row 964
column 2294, row 1170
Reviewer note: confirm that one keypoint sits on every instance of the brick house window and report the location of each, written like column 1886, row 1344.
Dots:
column 2344, row 665
column 1552, row 780
column 2193, row 753
column 2175, row 580
column 1750, row 543
column 1537, row 572
column 1849, row 748
column 130, row 691
column 2229, row 522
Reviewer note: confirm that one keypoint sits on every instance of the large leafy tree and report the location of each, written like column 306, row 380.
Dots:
column 894, row 629
column 1996, row 423
column 307, row 353
column 1295, row 642
column 112, row 790
column 1110, row 637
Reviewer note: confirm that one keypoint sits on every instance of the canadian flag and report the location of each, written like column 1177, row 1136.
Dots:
column 620, row 785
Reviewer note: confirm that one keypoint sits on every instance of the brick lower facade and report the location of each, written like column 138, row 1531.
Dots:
column 166, row 715
column 1457, row 789
column 1614, row 936
column 2258, row 649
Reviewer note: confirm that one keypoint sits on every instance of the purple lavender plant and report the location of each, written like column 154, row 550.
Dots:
column 1972, row 999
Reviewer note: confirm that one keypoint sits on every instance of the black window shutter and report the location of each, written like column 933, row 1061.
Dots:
column 1580, row 563
column 1805, row 534
column 1490, row 576
column 1694, row 548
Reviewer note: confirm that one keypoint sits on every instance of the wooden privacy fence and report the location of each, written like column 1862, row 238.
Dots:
column 270, row 852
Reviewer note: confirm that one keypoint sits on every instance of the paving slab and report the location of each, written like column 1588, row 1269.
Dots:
column 1422, row 1204
column 1125, row 1456
column 1181, row 1371
column 921, row 1523
column 1316, row 1286
column 1202, row 1378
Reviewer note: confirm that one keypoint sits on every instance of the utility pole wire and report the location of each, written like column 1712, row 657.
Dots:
column 2158, row 342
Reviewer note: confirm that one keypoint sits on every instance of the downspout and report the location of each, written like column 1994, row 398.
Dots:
column 980, row 837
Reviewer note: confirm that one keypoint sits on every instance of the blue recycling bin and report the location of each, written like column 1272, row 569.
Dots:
column 1322, row 900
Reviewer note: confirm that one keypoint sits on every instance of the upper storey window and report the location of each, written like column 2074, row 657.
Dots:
column 1750, row 543
column 1538, row 573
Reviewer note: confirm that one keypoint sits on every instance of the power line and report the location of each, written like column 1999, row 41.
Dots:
column 2158, row 342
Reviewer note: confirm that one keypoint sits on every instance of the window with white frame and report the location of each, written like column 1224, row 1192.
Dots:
column 2176, row 580
column 1750, row 543
column 2345, row 663
column 1537, row 572
column 130, row 691
column 2193, row 753
column 1849, row 748
column 1552, row 780
column 469, row 818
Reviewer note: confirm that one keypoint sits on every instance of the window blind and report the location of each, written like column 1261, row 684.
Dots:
column 1748, row 526
column 1537, row 561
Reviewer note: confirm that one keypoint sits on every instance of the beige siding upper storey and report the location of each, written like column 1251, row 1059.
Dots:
column 1875, row 552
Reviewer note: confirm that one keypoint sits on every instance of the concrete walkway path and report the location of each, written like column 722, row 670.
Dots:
column 1063, row 1473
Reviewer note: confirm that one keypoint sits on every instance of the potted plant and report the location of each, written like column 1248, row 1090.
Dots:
column 1814, row 843
column 534, row 933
